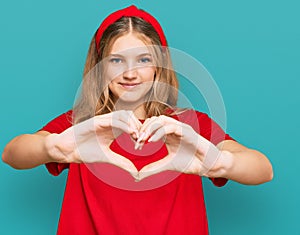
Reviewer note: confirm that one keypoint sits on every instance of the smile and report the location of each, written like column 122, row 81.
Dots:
column 129, row 85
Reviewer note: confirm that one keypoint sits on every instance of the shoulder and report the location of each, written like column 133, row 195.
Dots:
column 191, row 116
column 203, row 125
column 59, row 123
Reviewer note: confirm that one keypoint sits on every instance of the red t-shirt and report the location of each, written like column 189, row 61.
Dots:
column 103, row 199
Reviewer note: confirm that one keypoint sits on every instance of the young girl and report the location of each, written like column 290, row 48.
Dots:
column 134, row 158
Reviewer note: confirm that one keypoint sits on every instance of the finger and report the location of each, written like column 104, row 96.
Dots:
column 155, row 168
column 116, row 121
column 113, row 121
column 138, row 145
column 88, row 126
column 102, row 121
column 134, row 124
column 123, row 163
column 164, row 131
column 141, row 130
column 149, row 128
column 137, row 122
column 122, row 126
column 179, row 163
column 162, row 119
column 129, row 119
column 133, row 121
column 147, row 122
column 135, row 135
column 156, row 123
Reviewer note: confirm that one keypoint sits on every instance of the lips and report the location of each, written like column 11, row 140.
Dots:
column 129, row 85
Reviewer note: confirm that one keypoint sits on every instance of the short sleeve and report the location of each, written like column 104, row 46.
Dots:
column 58, row 125
column 209, row 129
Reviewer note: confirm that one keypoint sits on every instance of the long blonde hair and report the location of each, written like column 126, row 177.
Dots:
column 96, row 98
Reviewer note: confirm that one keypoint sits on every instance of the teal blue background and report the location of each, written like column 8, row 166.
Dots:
column 252, row 50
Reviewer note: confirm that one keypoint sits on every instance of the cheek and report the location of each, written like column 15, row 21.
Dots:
column 114, row 91
column 147, row 74
column 113, row 72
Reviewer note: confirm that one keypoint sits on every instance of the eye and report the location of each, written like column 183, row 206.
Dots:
column 116, row 60
column 145, row 60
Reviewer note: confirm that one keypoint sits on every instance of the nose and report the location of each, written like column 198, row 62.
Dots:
column 130, row 73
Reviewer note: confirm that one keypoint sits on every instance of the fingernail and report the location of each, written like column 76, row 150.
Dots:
column 136, row 134
column 141, row 137
column 151, row 139
column 141, row 146
column 136, row 145
column 132, row 130
column 137, row 177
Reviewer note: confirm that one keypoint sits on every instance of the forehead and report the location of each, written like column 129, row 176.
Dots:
column 129, row 42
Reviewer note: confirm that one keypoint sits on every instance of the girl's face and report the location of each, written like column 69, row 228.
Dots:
column 130, row 69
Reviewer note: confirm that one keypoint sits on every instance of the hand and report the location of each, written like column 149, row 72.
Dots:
column 188, row 152
column 89, row 141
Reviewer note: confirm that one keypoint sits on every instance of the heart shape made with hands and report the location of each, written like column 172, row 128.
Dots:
column 163, row 143
column 160, row 143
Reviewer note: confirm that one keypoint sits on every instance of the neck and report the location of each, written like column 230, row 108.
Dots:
column 139, row 111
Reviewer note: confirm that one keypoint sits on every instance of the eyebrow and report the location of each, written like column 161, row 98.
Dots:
column 145, row 54
column 117, row 55
column 139, row 55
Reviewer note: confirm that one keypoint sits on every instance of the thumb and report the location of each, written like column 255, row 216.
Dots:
column 124, row 164
column 155, row 168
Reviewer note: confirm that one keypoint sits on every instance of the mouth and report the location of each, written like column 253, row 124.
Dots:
column 129, row 85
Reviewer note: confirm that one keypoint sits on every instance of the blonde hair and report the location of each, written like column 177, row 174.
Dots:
column 96, row 98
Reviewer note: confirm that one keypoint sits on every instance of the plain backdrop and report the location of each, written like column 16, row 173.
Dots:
column 252, row 50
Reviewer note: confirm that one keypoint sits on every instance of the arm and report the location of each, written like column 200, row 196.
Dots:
column 27, row 151
column 85, row 142
column 191, row 153
column 241, row 164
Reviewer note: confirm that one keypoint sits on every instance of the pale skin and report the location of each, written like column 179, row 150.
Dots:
column 89, row 141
